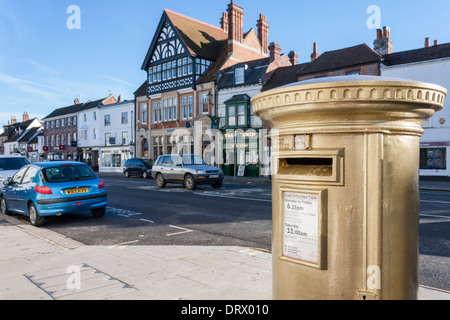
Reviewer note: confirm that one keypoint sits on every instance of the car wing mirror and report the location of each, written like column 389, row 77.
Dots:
column 6, row 182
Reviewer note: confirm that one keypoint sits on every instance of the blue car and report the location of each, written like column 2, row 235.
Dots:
column 51, row 189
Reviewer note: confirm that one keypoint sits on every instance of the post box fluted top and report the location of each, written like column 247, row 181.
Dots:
column 346, row 90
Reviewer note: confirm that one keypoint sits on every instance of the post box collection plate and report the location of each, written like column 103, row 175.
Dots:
column 303, row 226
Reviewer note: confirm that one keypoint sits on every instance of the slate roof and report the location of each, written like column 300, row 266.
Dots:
column 255, row 72
column 76, row 108
column 238, row 98
column 283, row 76
column 418, row 55
column 64, row 111
column 342, row 58
column 142, row 90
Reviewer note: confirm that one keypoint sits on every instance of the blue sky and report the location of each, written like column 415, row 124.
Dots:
column 44, row 65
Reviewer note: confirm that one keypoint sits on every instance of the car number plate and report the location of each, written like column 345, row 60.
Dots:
column 77, row 191
column 214, row 176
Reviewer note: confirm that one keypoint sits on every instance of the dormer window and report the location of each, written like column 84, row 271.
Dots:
column 239, row 75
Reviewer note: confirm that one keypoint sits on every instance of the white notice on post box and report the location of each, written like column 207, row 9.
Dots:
column 301, row 226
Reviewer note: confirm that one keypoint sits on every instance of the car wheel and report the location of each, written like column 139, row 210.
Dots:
column 4, row 207
column 127, row 174
column 160, row 182
column 35, row 219
column 217, row 185
column 189, row 182
column 98, row 213
column 145, row 175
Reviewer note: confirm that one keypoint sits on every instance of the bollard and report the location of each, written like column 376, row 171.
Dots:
column 346, row 186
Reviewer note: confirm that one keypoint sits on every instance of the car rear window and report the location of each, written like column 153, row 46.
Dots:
column 68, row 173
column 12, row 163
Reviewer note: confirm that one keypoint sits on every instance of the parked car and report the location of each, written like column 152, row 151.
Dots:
column 51, row 189
column 9, row 165
column 189, row 170
column 138, row 167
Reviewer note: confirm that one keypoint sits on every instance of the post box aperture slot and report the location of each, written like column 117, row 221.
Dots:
column 303, row 166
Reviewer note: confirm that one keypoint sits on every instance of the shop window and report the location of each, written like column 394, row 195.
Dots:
column 433, row 159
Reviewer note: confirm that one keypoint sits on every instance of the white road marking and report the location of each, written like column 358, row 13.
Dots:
column 178, row 233
column 122, row 245
column 149, row 221
column 434, row 216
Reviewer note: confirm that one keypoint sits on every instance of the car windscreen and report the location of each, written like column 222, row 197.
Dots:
column 192, row 159
column 147, row 162
column 12, row 163
column 68, row 173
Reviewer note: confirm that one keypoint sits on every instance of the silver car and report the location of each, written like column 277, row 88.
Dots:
column 9, row 165
column 187, row 169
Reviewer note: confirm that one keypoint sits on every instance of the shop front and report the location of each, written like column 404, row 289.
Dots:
column 242, row 152
column 113, row 159
column 434, row 159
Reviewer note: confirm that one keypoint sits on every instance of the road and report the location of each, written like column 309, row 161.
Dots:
column 239, row 214
column 434, row 245
column 141, row 214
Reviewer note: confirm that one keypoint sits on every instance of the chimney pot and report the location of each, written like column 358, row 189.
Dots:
column 383, row 43
column 224, row 22
column 275, row 51
column 314, row 55
column 235, row 22
column 293, row 57
column 263, row 32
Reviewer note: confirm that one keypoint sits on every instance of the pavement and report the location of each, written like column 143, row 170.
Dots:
column 39, row 264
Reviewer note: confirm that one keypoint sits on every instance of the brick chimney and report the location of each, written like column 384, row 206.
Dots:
column 25, row 117
column 314, row 55
column 436, row 42
column 293, row 57
column 235, row 25
column 275, row 51
column 76, row 101
column 119, row 98
column 224, row 22
column 427, row 42
column 13, row 119
column 263, row 32
column 383, row 43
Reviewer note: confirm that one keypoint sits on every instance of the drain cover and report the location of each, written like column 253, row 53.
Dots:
column 78, row 283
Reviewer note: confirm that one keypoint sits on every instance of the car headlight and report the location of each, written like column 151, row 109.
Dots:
column 200, row 171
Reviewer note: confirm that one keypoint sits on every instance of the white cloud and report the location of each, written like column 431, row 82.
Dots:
column 41, row 67
column 120, row 81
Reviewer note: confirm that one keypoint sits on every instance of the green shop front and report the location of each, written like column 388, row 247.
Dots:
column 243, row 139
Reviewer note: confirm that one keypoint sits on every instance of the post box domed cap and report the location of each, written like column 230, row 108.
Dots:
column 355, row 88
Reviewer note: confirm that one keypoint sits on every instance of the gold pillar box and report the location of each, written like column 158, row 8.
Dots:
column 345, row 185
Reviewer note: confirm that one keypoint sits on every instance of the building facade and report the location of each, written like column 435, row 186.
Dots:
column 20, row 137
column 182, row 65
column 245, row 148
column 429, row 64
column 61, row 134
column 116, row 135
